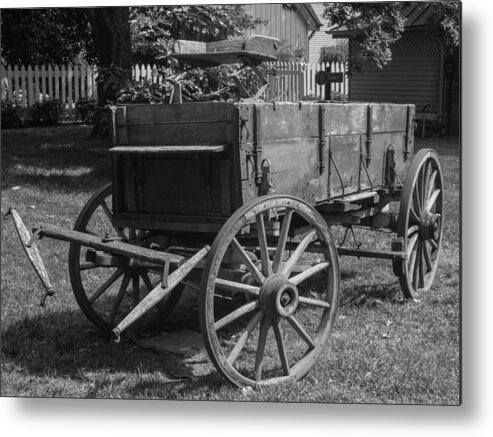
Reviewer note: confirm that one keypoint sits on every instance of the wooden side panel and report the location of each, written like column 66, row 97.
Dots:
column 295, row 169
column 175, row 124
column 344, row 167
column 389, row 118
column 187, row 186
column 288, row 120
column 346, row 118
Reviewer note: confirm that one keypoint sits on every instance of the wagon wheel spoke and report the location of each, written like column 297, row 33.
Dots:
column 411, row 244
column 412, row 230
column 431, row 183
column 283, row 237
column 252, row 268
column 413, row 216
column 427, row 258
column 147, row 281
column 308, row 273
column 245, row 335
column 433, row 244
column 262, row 241
column 119, row 297
column 265, row 324
column 236, row 314
column 424, row 182
column 280, row 345
column 301, row 332
column 107, row 284
column 432, row 199
column 135, row 289
column 109, row 215
column 421, row 275
column 228, row 285
column 416, row 264
column 289, row 265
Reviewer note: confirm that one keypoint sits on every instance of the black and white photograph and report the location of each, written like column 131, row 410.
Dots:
column 237, row 204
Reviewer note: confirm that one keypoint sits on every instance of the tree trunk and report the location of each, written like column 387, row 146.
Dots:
column 111, row 28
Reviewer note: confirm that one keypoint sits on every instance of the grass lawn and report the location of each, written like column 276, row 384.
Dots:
column 383, row 348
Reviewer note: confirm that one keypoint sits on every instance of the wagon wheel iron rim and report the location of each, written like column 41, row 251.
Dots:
column 107, row 290
column 271, row 325
column 420, row 223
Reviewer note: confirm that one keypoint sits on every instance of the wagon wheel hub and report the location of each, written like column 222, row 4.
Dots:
column 278, row 297
column 429, row 226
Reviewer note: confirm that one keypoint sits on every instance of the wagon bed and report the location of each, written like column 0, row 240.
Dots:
column 192, row 165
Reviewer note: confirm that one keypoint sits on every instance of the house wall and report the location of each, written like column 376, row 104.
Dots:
column 282, row 23
column 413, row 76
column 320, row 38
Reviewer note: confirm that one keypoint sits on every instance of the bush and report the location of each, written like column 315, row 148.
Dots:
column 46, row 113
column 13, row 116
column 86, row 109
column 336, row 53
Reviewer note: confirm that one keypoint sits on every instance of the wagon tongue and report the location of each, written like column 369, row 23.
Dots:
column 27, row 240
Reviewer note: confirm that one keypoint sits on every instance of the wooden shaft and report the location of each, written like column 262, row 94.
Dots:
column 159, row 293
column 111, row 246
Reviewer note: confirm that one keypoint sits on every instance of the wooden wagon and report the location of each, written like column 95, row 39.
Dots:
column 236, row 200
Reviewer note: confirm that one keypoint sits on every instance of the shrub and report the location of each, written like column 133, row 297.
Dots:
column 86, row 110
column 46, row 113
column 336, row 53
column 13, row 116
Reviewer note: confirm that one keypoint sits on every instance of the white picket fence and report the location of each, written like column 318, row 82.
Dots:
column 293, row 81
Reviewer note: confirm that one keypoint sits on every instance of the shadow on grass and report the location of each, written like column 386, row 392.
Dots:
column 372, row 295
column 62, row 158
column 65, row 346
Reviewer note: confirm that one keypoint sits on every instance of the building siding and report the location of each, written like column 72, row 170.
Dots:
column 413, row 76
column 320, row 38
column 282, row 23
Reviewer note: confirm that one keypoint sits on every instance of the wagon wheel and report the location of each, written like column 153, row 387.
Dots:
column 107, row 287
column 420, row 223
column 270, row 323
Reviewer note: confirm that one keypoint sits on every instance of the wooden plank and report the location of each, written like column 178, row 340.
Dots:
column 30, row 86
column 121, row 123
column 183, row 112
column 179, row 134
column 63, row 78
column 112, row 246
column 258, row 43
column 185, row 46
column 177, row 223
column 288, row 121
column 169, row 149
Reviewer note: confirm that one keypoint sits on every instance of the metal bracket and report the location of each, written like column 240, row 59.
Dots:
column 356, row 243
column 266, row 177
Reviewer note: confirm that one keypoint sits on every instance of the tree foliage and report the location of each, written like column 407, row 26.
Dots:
column 155, row 28
column 375, row 27
column 336, row 53
column 44, row 36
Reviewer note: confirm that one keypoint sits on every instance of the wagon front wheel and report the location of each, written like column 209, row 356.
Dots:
column 420, row 223
column 269, row 292
column 107, row 287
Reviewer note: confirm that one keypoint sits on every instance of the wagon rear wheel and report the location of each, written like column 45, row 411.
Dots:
column 420, row 223
column 107, row 287
column 266, row 312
